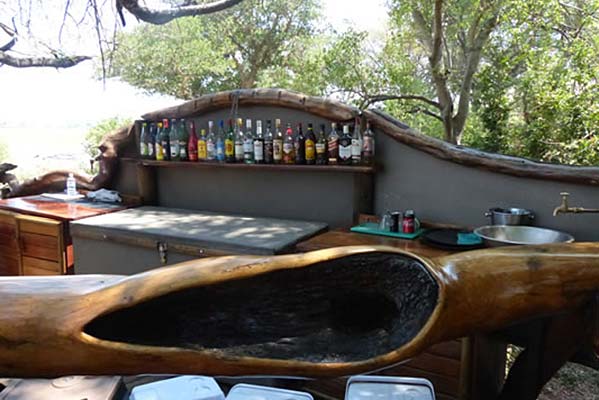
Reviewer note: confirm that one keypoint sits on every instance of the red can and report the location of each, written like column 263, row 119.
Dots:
column 409, row 222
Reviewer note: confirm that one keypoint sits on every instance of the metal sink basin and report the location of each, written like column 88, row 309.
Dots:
column 503, row 235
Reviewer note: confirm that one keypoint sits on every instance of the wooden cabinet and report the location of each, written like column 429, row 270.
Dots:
column 32, row 245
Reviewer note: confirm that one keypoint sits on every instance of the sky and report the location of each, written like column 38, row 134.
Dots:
column 44, row 112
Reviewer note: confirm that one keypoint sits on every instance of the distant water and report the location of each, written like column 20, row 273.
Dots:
column 39, row 150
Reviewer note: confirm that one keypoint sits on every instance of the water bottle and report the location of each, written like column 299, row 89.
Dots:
column 71, row 185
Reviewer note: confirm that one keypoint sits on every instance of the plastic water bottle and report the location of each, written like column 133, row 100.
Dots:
column 71, row 185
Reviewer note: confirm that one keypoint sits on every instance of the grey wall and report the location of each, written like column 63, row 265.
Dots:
column 446, row 192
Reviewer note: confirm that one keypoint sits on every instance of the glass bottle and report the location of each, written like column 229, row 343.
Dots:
column 310, row 146
column 259, row 144
column 248, row 143
column 143, row 141
column 368, row 145
column 159, row 150
column 210, row 143
column 321, row 146
column 300, row 145
column 277, row 143
column 345, row 146
column 202, row 148
column 288, row 147
column 220, row 142
column 230, row 144
column 165, row 140
column 152, row 141
column 238, row 141
column 333, row 145
column 192, row 143
column 174, row 140
column 183, row 141
column 356, row 144
column 268, row 144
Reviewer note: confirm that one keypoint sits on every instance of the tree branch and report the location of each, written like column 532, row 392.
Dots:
column 425, row 112
column 384, row 97
column 162, row 16
column 25, row 62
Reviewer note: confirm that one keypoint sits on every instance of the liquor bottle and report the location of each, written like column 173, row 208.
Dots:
column 210, row 143
column 300, row 145
column 356, row 144
column 321, row 146
column 230, row 144
column 143, row 141
column 333, row 145
column 277, row 143
column 174, row 140
column 202, row 150
column 183, row 141
column 368, row 145
column 345, row 146
column 238, row 141
column 288, row 147
column 248, row 143
column 159, row 149
column 220, row 142
column 268, row 144
column 165, row 140
column 192, row 143
column 152, row 141
column 310, row 153
column 259, row 144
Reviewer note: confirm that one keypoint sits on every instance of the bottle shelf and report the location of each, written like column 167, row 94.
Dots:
column 357, row 169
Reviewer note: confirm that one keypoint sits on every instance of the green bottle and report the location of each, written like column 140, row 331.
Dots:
column 183, row 139
column 174, row 140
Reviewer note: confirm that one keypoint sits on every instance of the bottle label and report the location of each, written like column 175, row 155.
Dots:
column 287, row 148
column 210, row 148
column 345, row 152
column 238, row 151
column 193, row 155
column 151, row 150
column 310, row 151
column 175, row 150
column 356, row 148
column 268, row 151
column 229, row 147
column 277, row 150
column 159, row 152
column 202, row 149
column 320, row 148
column 143, row 149
column 258, row 150
column 248, row 146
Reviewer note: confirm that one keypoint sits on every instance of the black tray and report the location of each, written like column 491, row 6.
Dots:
column 447, row 239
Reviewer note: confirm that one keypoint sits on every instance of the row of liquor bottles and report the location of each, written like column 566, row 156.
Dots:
column 177, row 140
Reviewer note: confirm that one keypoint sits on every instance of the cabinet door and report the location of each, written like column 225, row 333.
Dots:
column 42, row 245
column 9, row 245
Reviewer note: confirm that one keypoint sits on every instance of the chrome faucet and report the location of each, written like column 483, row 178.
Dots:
column 564, row 208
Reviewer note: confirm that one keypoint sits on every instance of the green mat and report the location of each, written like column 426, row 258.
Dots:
column 372, row 228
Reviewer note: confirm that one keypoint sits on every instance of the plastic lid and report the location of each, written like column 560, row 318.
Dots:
column 245, row 391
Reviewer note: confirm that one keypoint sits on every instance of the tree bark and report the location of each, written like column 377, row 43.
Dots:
column 162, row 16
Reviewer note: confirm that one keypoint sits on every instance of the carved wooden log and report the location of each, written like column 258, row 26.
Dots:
column 55, row 181
column 331, row 312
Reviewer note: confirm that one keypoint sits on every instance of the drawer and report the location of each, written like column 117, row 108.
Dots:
column 40, row 246
column 40, row 226
column 38, row 266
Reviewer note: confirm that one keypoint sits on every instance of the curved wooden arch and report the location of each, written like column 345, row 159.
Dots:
column 326, row 108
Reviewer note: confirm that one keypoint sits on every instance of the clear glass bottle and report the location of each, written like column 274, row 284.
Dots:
column 356, row 144
column 211, row 143
column 345, row 146
column 259, row 144
column 277, row 143
column 220, row 142
column 248, row 143
column 239, row 141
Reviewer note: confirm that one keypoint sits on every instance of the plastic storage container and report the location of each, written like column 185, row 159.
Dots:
column 365, row 387
column 245, row 391
column 186, row 387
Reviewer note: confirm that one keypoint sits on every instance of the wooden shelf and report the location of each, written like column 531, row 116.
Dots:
column 359, row 169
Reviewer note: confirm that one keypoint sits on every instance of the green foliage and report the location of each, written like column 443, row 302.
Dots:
column 258, row 43
column 94, row 136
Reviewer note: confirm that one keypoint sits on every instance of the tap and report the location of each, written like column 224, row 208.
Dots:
column 564, row 208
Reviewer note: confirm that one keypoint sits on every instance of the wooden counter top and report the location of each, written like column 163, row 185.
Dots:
column 345, row 238
column 63, row 211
